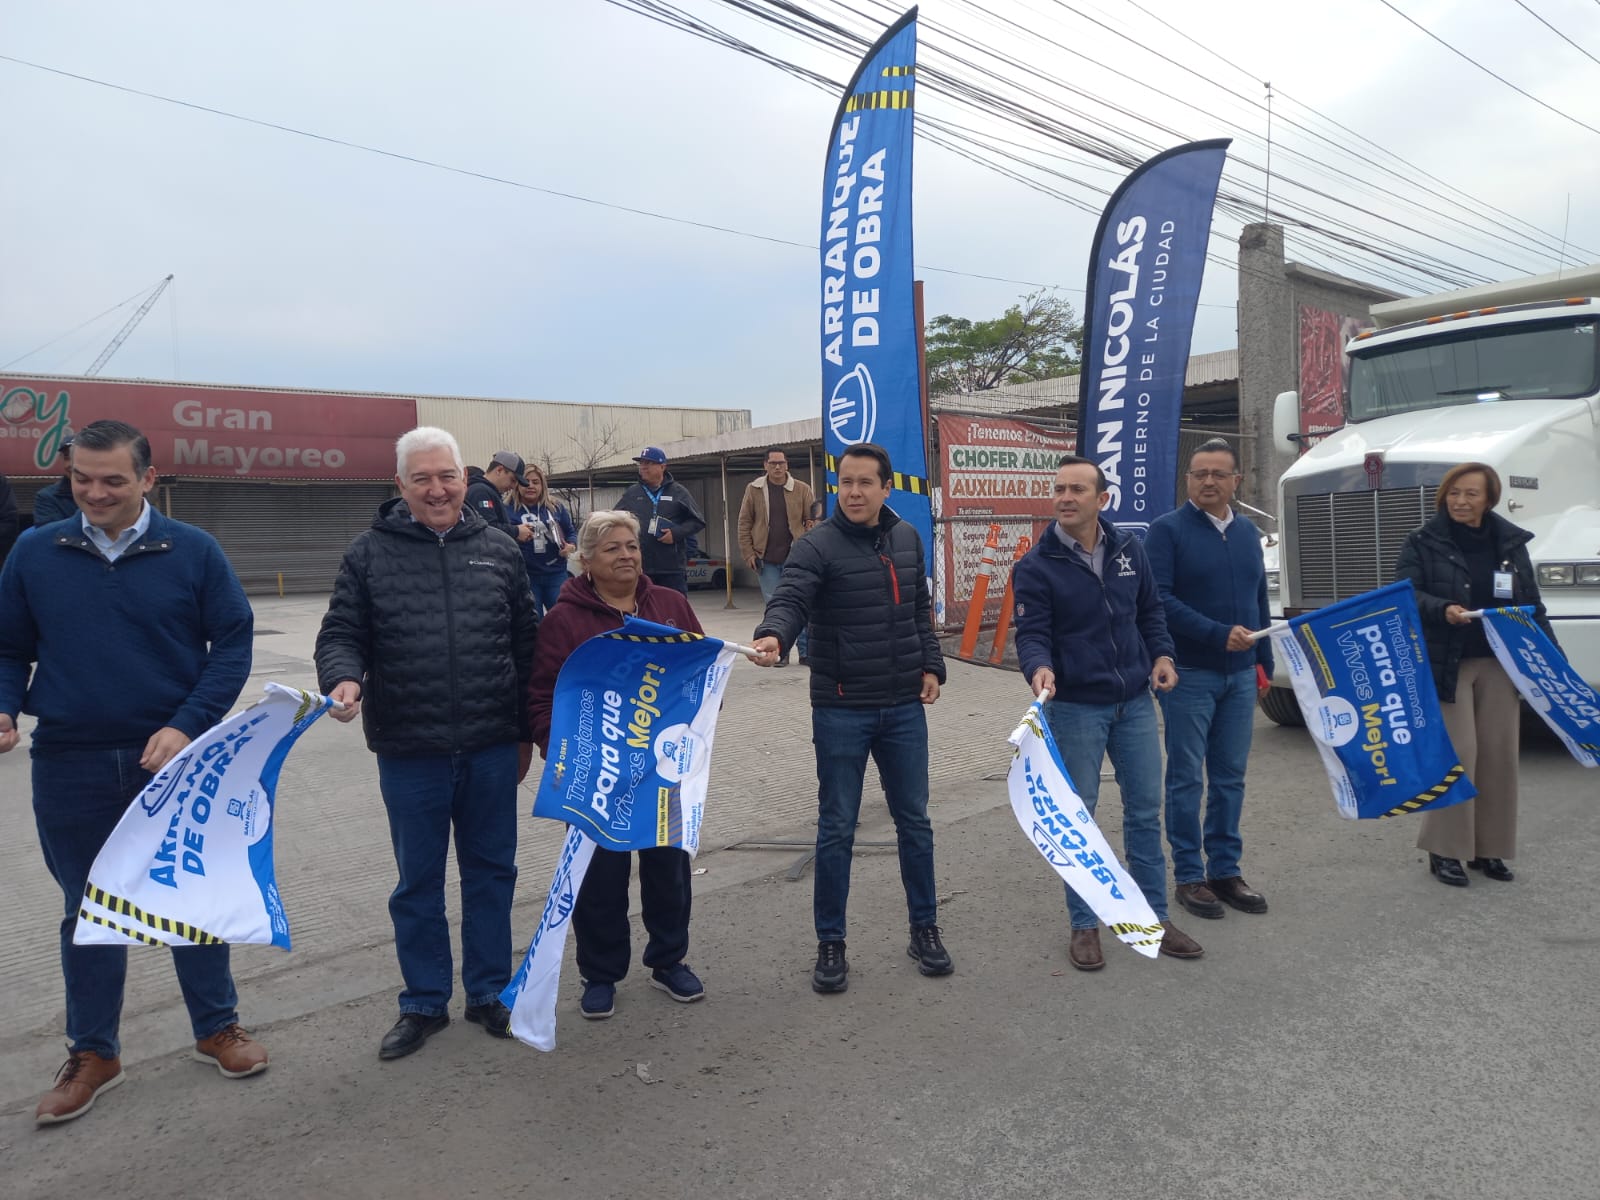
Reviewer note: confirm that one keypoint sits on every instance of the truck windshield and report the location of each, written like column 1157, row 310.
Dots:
column 1548, row 360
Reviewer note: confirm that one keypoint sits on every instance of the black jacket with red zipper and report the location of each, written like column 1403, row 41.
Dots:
column 863, row 592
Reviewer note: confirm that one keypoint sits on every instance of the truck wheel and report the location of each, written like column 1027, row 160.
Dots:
column 1281, row 707
column 719, row 581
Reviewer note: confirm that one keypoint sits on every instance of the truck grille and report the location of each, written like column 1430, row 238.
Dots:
column 1347, row 542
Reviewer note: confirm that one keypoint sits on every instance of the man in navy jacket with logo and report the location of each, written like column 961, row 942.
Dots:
column 1213, row 584
column 1090, row 627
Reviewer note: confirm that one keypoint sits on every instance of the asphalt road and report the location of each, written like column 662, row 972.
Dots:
column 1374, row 1035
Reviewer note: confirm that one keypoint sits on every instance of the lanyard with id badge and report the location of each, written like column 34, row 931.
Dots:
column 1503, row 582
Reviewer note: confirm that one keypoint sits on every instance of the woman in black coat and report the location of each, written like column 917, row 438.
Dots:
column 1468, row 557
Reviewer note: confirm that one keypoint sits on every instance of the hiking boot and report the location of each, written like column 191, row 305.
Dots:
column 81, row 1078
column 233, row 1052
column 1236, row 893
column 1200, row 900
column 677, row 981
column 599, row 1001
column 832, row 973
column 932, row 958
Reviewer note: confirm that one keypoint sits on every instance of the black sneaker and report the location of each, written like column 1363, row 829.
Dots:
column 494, row 1017
column 833, row 972
column 932, row 958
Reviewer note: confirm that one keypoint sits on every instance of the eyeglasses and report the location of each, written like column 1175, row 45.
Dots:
column 1219, row 476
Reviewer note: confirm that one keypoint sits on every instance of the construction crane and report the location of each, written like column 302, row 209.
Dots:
column 133, row 321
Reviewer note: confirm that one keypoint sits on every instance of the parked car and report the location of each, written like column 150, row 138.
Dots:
column 707, row 572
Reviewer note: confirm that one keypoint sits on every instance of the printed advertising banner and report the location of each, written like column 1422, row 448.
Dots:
column 871, row 379
column 1546, row 680
column 190, row 863
column 1361, row 675
column 208, row 432
column 994, row 469
column 1324, row 370
column 1145, row 268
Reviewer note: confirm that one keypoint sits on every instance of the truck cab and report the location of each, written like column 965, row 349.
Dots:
column 1508, row 375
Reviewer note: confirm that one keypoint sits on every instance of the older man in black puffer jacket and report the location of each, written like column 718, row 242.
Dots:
column 430, row 635
column 859, row 579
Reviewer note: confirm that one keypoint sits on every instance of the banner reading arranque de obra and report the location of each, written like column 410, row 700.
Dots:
column 632, row 723
column 190, row 862
column 1361, row 676
column 871, row 381
column 1546, row 680
column 1054, row 818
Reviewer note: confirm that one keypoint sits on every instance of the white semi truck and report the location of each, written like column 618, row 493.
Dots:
column 1507, row 374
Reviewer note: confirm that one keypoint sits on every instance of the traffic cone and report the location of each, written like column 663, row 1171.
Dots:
column 980, row 595
column 1024, row 544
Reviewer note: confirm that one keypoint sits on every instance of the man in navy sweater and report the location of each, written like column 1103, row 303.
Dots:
column 1213, row 583
column 1090, row 627
column 139, row 637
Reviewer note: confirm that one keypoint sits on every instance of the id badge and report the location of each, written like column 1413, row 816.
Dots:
column 654, row 522
column 1502, row 585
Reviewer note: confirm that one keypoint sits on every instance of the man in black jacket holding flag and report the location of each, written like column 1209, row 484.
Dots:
column 429, row 635
column 859, row 580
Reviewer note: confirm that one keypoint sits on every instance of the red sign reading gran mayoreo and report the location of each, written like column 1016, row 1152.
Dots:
column 208, row 432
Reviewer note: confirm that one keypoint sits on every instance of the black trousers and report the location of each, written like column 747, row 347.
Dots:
column 600, row 920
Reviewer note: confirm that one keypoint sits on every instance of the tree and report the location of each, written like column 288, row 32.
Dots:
column 597, row 443
column 1037, row 338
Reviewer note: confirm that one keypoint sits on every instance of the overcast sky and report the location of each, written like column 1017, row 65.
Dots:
column 307, row 264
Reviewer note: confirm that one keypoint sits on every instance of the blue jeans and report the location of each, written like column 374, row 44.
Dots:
column 770, row 574
column 897, row 740
column 1209, row 719
column 477, row 793
column 79, row 795
column 1085, row 734
column 546, row 587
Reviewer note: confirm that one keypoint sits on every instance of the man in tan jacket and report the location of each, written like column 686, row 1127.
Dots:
column 765, row 542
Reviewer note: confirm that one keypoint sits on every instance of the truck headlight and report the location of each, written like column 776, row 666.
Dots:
column 1272, row 582
column 1555, row 574
column 1589, row 574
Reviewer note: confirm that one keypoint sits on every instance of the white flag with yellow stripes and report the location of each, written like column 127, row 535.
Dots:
column 190, row 863
column 1058, row 824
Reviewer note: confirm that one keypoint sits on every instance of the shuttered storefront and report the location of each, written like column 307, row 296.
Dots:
column 298, row 530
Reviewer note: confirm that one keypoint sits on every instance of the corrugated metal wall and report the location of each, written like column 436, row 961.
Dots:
column 565, row 437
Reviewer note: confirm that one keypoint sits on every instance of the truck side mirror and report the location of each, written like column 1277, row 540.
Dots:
column 1286, row 422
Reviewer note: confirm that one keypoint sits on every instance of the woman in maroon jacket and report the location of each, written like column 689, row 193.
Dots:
column 613, row 585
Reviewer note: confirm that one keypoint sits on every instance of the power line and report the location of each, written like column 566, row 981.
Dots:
column 1556, row 31
column 144, row 291
column 1487, row 71
column 454, row 170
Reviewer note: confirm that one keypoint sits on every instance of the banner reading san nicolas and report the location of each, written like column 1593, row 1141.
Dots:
column 871, row 384
column 1144, row 283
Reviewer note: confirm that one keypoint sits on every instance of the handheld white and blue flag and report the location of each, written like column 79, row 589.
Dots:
column 1055, row 820
column 633, row 719
column 1546, row 680
column 190, row 862
column 1361, row 676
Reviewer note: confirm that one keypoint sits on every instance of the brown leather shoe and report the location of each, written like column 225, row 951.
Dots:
column 1175, row 943
column 233, row 1052
column 82, row 1077
column 1200, row 900
column 1083, row 951
column 1236, row 893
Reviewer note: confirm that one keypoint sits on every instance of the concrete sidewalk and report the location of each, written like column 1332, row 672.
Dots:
column 1373, row 1035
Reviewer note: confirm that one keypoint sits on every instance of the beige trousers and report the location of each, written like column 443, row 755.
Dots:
column 1483, row 727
